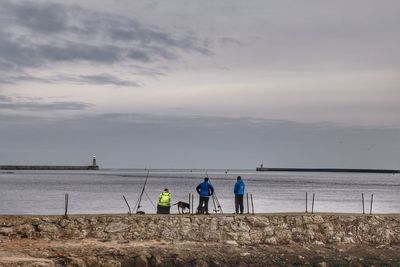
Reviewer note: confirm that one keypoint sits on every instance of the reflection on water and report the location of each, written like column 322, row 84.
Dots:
column 42, row 192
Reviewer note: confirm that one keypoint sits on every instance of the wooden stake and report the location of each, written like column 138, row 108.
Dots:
column 372, row 200
column 66, row 204
column 362, row 197
column 192, row 204
column 247, row 196
column 312, row 207
column 306, row 204
column 252, row 204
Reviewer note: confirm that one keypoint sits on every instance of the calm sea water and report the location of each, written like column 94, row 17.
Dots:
column 42, row 192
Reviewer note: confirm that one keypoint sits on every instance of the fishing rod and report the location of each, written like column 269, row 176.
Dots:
column 151, row 201
column 129, row 207
column 137, row 206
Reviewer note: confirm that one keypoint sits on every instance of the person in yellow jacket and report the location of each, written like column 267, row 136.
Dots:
column 164, row 202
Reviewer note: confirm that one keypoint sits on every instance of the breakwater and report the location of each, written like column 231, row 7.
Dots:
column 47, row 167
column 93, row 166
column 199, row 240
column 326, row 170
column 246, row 229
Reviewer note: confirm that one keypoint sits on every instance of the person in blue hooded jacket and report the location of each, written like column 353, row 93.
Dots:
column 205, row 190
column 239, row 192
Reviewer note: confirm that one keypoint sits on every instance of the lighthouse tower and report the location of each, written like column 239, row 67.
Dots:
column 94, row 164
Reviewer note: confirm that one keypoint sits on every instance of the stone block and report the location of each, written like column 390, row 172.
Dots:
column 116, row 227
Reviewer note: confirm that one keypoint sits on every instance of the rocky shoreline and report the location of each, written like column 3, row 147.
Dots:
column 195, row 240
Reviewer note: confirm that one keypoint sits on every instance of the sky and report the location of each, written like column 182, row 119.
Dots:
column 200, row 84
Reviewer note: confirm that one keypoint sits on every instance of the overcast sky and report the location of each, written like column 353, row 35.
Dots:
column 200, row 84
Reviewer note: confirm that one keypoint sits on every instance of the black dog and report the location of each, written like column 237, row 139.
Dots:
column 182, row 206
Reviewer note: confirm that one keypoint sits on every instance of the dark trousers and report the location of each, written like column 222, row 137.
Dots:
column 163, row 209
column 239, row 204
column 203, row 200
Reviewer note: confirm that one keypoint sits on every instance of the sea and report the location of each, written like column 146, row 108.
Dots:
column 102, row 191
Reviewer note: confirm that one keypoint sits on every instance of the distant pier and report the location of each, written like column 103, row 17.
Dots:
column 94, row 166
column 326, row 170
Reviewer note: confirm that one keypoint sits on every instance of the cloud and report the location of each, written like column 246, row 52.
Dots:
column 42, row 18
column 104, row 79
column 41, row 35
column 11, row 103
column 229, row 41
column 120, row 140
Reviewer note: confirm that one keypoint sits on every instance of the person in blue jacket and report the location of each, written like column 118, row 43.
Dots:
column 239, row 192
column 205, row 190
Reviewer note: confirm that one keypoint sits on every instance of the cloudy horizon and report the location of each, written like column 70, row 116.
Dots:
column 226, row 84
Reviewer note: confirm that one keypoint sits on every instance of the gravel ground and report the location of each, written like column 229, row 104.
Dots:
column 93, row 252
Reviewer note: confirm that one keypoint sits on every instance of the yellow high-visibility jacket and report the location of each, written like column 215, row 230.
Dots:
column 164, row 199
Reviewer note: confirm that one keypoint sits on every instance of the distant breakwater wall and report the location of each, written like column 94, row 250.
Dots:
column 243, row 229
column 47, row 167
column 326, row 170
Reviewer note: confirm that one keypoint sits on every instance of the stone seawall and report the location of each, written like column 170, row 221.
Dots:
column 280, row 229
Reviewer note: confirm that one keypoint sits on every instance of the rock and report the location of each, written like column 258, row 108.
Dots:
column 199, row 263
column 348, row 240
column 155, row 261
column 295, row 220
column 141, row 261
column 256, row 222
column 6, row 230
column 167, row 234
column 31, row 262
column 63, row 223
column 77, row 234
column 244, row 254
column 48, row 227
column 284, row 226
column 81, row 220
column 214, row 263
column 327, row 228
column 317, row 219
column 313, row 219
column 269, row 231
column 389, row 236
column 336, row 239
column 75, row 262
column 322, row 264
column 271, row 240
column 313, row 227
column 116, row 227
column 231, row 242
column 226, row 220
column 240, row 227
column 363, row 227
column 25, row 230
column 112, row 263
column 284, row 236
column 309, row 234
column 256, row 237
column 243, row 237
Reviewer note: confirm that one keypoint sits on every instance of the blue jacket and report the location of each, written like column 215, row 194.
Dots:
column 205, row 189
column 239, row 188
